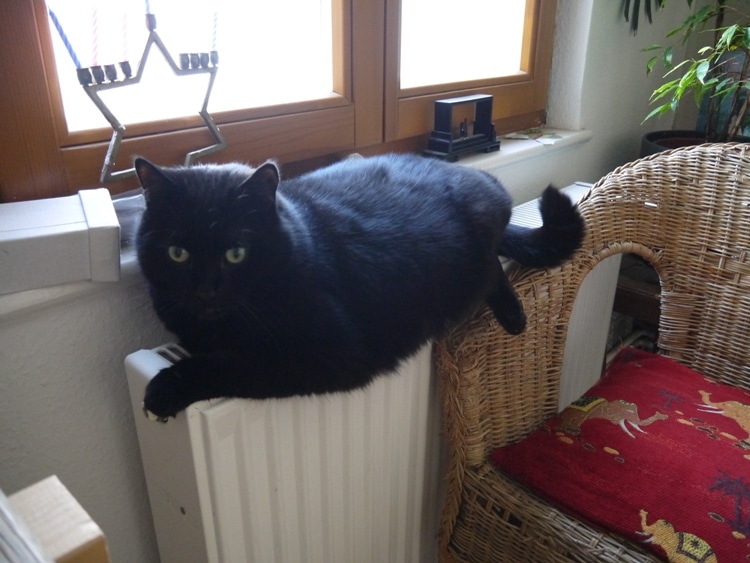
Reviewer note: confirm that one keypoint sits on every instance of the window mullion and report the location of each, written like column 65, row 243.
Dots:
column 368, row 69
column 392, row 55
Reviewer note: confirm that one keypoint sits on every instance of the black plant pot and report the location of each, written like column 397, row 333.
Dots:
column 658, row 141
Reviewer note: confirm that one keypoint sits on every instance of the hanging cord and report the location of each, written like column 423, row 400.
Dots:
column 64, row 37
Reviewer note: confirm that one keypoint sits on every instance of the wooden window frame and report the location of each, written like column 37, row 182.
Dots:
column 368, row 112
column 519, row 101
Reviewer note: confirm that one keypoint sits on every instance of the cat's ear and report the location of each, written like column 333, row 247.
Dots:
column 261, row 186
column 152, row 178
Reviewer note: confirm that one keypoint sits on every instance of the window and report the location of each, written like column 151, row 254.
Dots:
column 259, row 65
column 519, row 84
column 368, row 95
column 438, row 48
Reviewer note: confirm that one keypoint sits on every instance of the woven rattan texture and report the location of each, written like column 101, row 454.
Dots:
column 687, row 212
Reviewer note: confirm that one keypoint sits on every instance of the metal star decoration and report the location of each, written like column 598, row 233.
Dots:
column 106, row 77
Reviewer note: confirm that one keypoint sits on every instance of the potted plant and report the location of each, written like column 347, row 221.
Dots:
column 717, row 77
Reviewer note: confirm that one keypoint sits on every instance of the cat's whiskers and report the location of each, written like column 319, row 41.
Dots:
column 169, row 302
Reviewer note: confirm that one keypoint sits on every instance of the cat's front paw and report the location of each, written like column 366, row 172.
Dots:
column 514, row 324
column 511, row 316
column 165, row 394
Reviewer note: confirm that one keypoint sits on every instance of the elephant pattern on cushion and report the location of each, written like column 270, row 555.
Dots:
column 649, row 416
column 617, row 412
column 680, row 547
column 735, row 410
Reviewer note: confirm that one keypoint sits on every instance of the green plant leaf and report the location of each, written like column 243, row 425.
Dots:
column 661, row 110
column 702, row 70
column 726, row 41
column 723, row 86
column 702, row 16
column 631, row 11
column 678, row 66
column 667, row 57
column 711, row 76
column 688, row 79
column 636, row 15
column 693, row 21
column 698, row 93
column 727, row 90
column 664, row 90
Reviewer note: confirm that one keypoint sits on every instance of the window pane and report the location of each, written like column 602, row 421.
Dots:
column 445, row 41
column 269, row 53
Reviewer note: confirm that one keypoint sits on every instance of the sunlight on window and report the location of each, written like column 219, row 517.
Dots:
column 445, row 41
column 269, row 53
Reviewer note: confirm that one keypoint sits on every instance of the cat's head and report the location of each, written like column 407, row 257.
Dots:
column 203, row 233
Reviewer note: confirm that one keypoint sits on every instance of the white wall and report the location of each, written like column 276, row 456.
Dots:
column 599, row 83
column 64, row 407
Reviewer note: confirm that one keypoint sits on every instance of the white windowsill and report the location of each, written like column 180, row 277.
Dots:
column 512, row 151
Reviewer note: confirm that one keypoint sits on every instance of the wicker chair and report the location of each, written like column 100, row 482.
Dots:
column 687, row 212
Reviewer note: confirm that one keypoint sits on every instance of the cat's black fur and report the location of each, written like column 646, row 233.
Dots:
column 340, row 274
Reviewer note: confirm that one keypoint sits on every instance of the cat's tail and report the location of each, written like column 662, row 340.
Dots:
column 555, row 241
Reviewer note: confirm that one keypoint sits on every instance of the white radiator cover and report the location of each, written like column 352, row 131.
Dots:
column 332, row 478
column 349, row 478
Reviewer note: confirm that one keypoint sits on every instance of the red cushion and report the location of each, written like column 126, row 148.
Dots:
column 656, row 452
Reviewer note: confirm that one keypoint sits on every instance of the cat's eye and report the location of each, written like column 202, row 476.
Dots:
column 235, row 255
column 178, row 254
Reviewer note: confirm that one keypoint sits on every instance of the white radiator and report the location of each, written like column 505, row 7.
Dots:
column 350, row 478
column 345, row 478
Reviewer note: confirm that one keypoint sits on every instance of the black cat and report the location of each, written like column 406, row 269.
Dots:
column 319, row 283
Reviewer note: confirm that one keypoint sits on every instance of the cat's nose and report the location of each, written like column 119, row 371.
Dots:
column 207, row 304
column 206, row 295
column 207, row 288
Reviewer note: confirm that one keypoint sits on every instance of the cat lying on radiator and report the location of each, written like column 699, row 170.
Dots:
column 319, row 283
